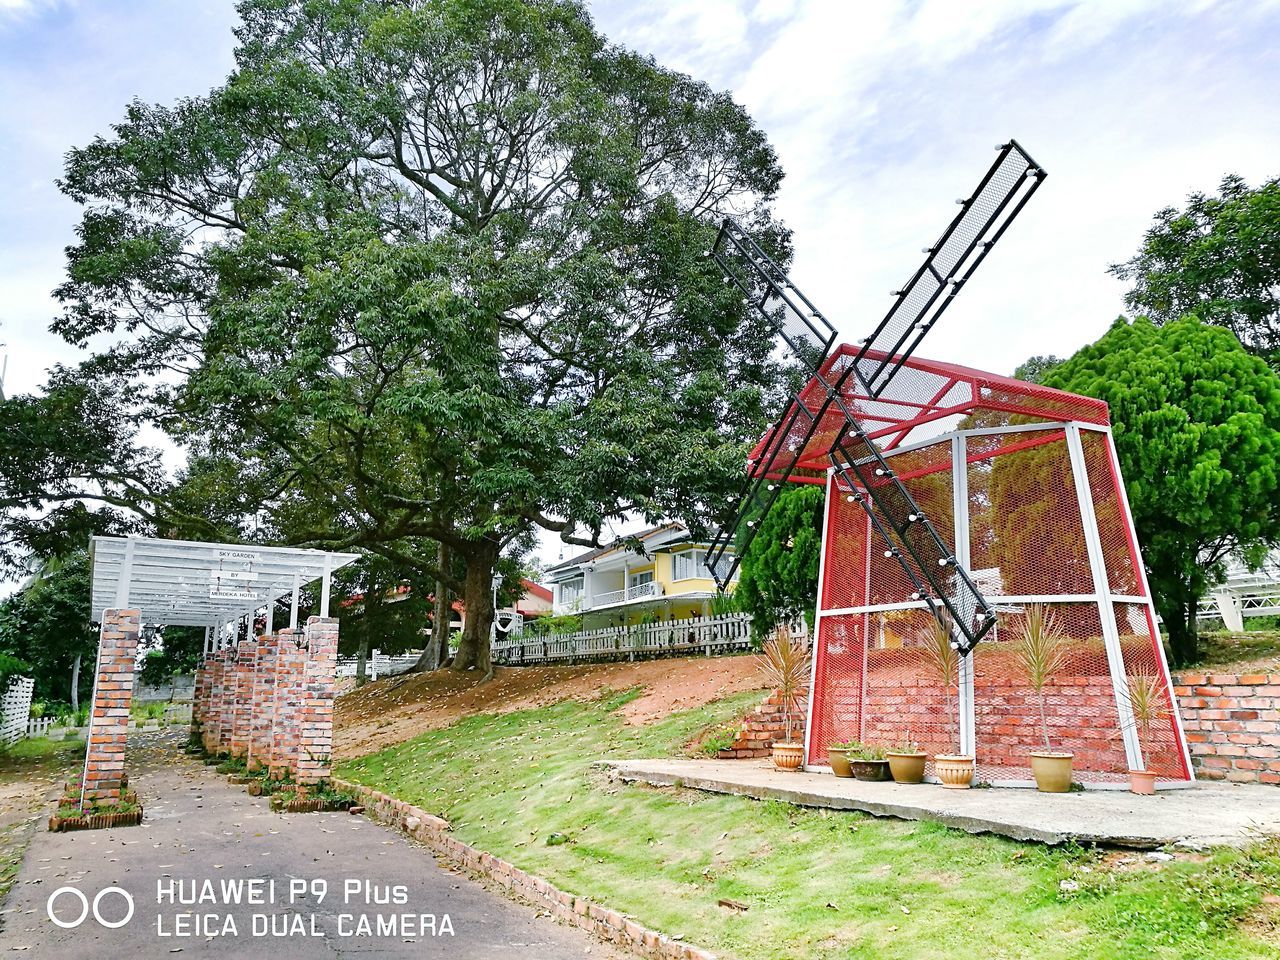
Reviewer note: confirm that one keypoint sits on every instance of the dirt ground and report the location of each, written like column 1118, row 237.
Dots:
column 393, row 710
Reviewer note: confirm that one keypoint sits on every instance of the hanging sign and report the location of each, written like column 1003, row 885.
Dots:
column 229, row 575
column 239, row 556
column 218, row 592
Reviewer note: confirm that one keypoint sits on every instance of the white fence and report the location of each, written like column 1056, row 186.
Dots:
column 379, row 665
column 15, row 709
column 707, row 635
column 38, row 726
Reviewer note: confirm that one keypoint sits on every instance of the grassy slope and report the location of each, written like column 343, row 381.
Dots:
column 31, row 762
column 819, row 884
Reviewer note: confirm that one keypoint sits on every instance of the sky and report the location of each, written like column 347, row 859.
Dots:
column 882, row 113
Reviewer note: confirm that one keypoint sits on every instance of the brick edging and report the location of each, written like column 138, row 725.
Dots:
column 600, row 921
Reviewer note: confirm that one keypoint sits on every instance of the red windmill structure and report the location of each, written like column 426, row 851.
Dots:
column 958, row 503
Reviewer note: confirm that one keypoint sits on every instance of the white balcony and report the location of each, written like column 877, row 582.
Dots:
column 614, row 597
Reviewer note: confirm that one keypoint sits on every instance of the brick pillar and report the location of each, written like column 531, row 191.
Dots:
column 198, row 693
column 241, row 696
column 112, row 695
column 287, row 696
column 214, row 716
column 315, row 727
column 264, row 702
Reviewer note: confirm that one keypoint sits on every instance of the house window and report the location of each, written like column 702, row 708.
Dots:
column 570, row 592
column 639, row 579
column 692, row 563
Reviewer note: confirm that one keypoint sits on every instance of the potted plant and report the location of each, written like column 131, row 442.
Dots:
column 838, row 755
column 955, row 770
column 906, row 762
column 868, row 763
column 1147, row 704
column 785, row 665
column 1041, row 651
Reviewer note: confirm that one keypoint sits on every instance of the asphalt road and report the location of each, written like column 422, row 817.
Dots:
column 326, row 885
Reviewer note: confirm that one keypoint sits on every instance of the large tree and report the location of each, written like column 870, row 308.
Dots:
column 1218, row 258
column 1196, row 421
column 432, row 273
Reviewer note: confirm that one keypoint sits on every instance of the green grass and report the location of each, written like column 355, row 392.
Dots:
column 32, row 761
column 819, row 884
column 1222, row 650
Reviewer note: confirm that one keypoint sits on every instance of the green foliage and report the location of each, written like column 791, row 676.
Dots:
column 820, row 884
column 1197, row 431
column 1034, row 369
column 1219, row 258
column 554, row 626
column 1040, row 650
column 46, row 624
column 779, row 578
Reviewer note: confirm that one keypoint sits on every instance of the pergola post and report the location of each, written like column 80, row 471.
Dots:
column 964, row 670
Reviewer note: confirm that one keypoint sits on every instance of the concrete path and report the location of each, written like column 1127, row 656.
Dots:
column 1204, row 815
column 198, row 827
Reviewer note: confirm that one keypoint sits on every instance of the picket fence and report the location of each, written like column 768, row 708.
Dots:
column 705, row 635
column 15, row 709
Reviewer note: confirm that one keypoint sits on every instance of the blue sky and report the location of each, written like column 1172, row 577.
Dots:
column 882, row 112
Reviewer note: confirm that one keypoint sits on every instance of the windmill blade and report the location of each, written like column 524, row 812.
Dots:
column 950, row 262
column 804, row 338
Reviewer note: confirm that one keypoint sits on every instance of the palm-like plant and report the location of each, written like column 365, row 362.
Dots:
column 785, row 665
column 1147, row 704
column 942, row 659
column 1041, row 652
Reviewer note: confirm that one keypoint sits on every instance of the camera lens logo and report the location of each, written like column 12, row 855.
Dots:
column 86, row 908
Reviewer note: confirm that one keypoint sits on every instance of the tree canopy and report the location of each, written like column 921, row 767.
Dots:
column 1196, row 421
column 1218, row 258
column 779, row 579
column 420, row 274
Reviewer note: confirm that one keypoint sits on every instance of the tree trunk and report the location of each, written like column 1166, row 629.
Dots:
column 362, row 663
column 436, row 651
column 1180, row 620
column 75, row 684
column 477, row 598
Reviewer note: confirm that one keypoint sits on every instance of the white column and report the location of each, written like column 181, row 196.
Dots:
column 293, row 607
column 324, row 585
column 960, row 539
column 1102, row 590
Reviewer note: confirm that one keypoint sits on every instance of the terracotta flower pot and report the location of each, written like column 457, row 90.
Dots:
column 870, row 771
column 907, row 767
column 788, row 756
column 955, row 771
column 1052, row 771
column 1142, row 782
column 839, row 760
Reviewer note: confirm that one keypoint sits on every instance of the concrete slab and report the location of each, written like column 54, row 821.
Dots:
column 197, row 827
column 1200, row 816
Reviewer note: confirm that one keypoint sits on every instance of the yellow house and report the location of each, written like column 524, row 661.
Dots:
column 655, row 575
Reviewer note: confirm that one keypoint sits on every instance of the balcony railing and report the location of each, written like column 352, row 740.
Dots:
column 638, row 592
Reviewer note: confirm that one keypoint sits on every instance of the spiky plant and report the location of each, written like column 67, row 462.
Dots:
column 784, row 662
column 1041, row 651
column 942, row 660
column 1147, row 703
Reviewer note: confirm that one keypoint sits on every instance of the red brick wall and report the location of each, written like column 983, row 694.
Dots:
column 1232, row 722
column 112, row 696
column 212, row 725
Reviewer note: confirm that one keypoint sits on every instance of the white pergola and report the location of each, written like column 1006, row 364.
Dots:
column 1245, row 592
column 186, row 583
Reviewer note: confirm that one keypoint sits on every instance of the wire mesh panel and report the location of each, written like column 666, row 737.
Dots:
column 886, row 674
column 1074, row 711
